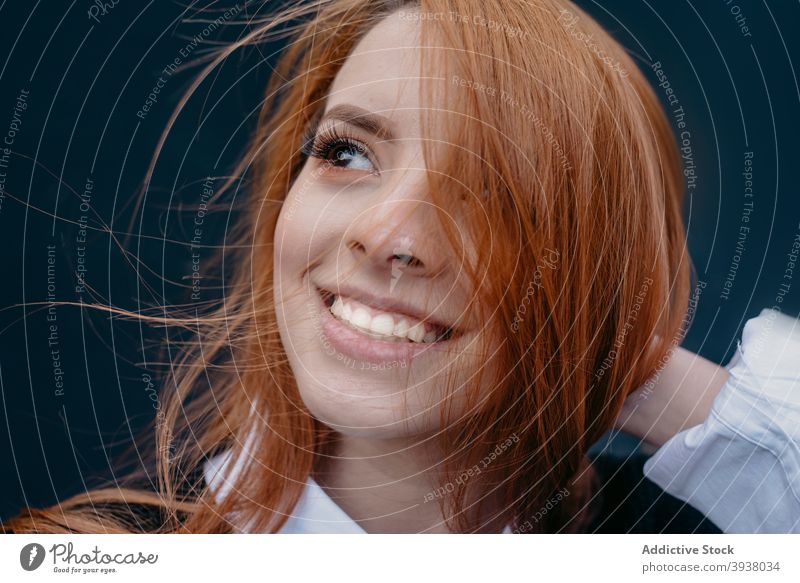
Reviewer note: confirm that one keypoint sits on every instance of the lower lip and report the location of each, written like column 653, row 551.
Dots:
column 360, row 347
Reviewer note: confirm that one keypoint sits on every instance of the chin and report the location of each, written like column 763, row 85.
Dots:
column 368, row 404
column 365, row 418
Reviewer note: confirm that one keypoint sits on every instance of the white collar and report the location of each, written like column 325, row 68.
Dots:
column 315, row 512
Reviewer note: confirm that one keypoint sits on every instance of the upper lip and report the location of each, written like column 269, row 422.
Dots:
column 387, row 304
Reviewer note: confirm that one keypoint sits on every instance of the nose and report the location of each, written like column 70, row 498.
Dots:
column 400, row 232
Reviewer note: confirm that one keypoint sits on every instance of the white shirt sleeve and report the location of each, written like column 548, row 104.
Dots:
column 741, row 467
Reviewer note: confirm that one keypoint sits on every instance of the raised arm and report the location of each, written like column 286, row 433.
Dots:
column 732, row 446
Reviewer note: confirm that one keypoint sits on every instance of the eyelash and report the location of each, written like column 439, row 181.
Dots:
column 320, row 143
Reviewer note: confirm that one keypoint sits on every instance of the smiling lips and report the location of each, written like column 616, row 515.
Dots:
column 386, row 326
column 369, row 333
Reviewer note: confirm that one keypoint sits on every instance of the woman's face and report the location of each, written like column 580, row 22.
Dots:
column 370, row 296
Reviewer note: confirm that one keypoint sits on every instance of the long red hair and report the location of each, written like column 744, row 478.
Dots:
column 581, row 273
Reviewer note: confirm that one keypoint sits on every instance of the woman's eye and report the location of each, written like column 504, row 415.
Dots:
column 348, row 154
column 338, row 150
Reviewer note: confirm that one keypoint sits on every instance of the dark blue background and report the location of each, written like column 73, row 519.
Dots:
column 87, row 80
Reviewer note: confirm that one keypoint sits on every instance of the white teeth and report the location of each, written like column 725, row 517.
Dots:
column 401, row 329
column 381, row 324
column 416, row 332
column 361, row 318
column 336, row 308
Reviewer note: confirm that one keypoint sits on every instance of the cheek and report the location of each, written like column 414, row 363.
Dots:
column 291, row 238
column 306, row 228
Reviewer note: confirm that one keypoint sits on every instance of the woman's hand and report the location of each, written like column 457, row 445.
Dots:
column 674, row 399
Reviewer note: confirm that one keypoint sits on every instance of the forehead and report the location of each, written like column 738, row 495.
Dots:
column 382, row 72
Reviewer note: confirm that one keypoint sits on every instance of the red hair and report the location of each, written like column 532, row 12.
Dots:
column 581, row 273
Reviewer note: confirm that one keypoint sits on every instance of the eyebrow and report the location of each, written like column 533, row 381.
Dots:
column 359, row 117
